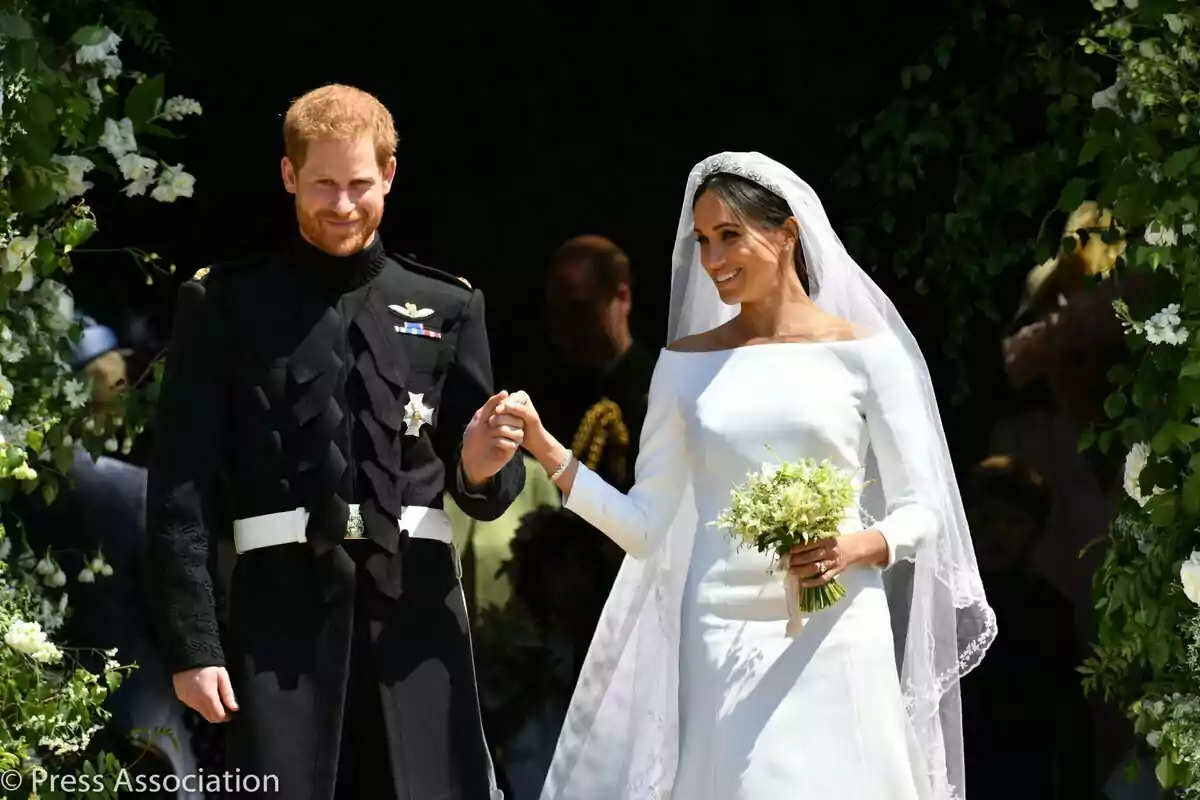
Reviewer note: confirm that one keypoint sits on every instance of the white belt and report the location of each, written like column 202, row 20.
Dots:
column 288, row 527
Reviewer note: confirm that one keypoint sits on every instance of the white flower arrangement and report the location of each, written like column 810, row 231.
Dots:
column 65, row 125
column 1135, row 462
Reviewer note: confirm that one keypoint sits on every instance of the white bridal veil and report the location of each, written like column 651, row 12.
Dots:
column 620, row 737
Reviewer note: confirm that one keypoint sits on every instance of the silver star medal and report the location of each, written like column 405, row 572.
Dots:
column 416, row 414
column 411, row 311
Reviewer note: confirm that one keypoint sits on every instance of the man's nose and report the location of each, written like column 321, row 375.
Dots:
column 343, row 204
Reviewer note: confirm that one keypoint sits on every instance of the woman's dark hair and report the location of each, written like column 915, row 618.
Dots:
column 754, row 203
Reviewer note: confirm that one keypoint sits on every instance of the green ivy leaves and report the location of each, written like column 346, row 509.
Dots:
column 90, row 36
column 1073, row 195
column 15, row 27
column 143, row 101
column 953, row 197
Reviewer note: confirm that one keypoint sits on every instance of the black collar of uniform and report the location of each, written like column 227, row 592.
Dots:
column 339, row 273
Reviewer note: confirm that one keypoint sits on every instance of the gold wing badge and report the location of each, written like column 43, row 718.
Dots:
column 412, row 311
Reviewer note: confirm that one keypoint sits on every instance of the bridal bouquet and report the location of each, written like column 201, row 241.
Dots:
column 789, row 504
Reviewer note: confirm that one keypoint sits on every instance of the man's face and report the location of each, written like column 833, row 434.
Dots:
column 339, row 192
column 1002, row 533
column 109, row 377
column 583, row 324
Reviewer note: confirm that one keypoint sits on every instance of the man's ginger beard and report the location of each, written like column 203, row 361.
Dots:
column 343, row 242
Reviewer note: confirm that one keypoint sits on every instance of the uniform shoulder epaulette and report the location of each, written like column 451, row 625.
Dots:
column 212, row 272
column 424, row 269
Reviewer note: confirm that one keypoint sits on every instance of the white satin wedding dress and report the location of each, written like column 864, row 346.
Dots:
column 764, row 715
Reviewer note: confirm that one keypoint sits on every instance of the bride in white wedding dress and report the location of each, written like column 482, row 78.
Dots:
column 693, row 689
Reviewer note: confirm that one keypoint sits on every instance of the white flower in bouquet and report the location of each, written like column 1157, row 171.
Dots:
column 173, row 183
column 58, row 306
column 1136, row 461
column 76, row 393
column 30, row 639
column 1159, row 235
column 112, row 67
column 12, row 349
column 99, row 566
column 789, row 504
column 118, row 138
column 1107, row 98
column 93, row 92
column 18, row 256
column 21, row 250
column 1189, row 576
column 176, row 108
column 52, row 616
column 1166, row 327
column 73, row 185
column 98, row 53
column 139, row 171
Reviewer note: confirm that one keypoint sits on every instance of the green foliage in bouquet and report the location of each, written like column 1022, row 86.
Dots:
column 787, row 504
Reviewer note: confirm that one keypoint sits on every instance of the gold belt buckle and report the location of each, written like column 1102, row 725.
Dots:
column 354, row 525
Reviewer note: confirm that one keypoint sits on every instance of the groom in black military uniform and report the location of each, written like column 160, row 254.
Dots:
column 317, row 404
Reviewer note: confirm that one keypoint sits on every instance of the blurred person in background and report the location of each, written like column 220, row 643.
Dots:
column 1024, row 704
column 596, row 377
column 1063, row 340
column 101, row 509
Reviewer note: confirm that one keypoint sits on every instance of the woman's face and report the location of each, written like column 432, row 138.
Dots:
column 747, row 263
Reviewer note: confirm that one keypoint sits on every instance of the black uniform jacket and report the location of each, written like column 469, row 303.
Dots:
column 291, row 383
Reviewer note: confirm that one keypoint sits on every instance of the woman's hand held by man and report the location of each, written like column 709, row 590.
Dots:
column 538, row 442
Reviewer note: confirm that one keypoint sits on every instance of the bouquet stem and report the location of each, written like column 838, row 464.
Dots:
column 818, row 598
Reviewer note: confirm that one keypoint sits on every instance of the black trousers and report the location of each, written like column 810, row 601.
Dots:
column 364, row 768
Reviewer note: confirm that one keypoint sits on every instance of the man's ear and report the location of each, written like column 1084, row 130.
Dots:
column 389, row 174
column 624, row 296
column 288, row 172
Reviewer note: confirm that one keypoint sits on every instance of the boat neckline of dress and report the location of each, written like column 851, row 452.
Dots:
column 761, row 345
